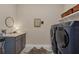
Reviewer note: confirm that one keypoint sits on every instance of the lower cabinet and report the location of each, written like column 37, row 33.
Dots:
column 14, row 45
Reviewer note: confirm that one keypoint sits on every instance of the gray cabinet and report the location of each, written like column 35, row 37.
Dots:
column 14, row 45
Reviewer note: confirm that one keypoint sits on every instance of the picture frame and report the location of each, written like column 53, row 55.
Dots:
column 37, row 22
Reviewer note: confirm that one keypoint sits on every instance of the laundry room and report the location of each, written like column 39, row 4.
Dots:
column 39, row 28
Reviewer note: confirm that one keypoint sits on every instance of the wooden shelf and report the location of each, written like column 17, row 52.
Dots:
column 70, row 16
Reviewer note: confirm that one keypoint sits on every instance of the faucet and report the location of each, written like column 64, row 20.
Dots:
column 4, row 31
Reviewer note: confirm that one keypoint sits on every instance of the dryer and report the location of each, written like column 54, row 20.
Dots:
column 67, row 37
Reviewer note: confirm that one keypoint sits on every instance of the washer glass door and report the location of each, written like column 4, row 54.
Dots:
column 62, row 37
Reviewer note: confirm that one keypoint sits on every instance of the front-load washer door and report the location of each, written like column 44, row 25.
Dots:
column 62, row 37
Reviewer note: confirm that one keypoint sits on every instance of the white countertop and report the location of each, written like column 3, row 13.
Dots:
column 13, row 34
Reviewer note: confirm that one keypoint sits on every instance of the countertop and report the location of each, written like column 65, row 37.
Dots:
column 13, row 34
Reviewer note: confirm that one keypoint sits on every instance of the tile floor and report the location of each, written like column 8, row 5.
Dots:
column 26, row 50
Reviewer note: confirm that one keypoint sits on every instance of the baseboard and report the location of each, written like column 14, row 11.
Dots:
column 30, row 46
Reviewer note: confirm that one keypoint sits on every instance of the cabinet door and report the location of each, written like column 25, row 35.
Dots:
column 9, row 45
column 18, row 44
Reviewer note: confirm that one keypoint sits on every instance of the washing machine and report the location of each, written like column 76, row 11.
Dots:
column 53, row 39
column 67, row 37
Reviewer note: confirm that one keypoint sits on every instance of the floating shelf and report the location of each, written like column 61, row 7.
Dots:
column 70, row 16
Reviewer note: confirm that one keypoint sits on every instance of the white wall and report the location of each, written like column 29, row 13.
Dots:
column 6, row 10
column 48, row 13
column 25, row 19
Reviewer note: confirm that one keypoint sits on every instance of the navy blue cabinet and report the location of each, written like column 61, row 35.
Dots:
column 14, row 45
